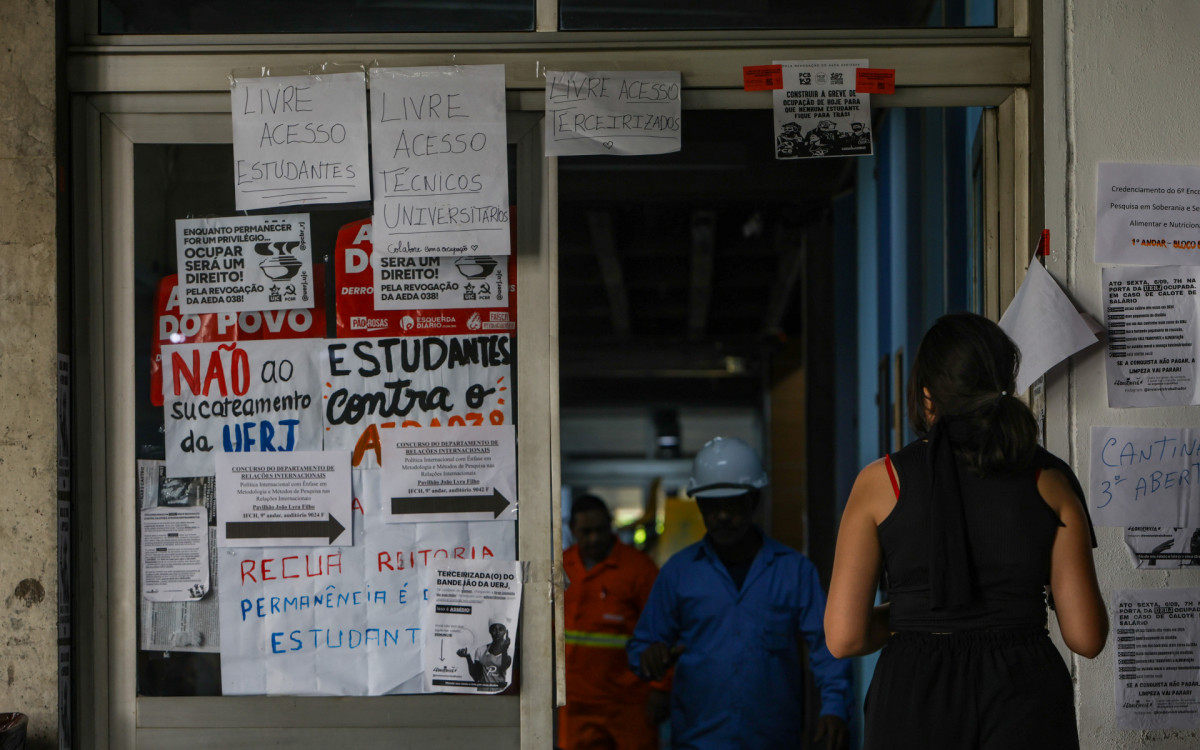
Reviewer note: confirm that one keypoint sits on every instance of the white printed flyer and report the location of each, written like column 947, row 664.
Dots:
column 471, row 626
column 451, row 474
column 818, row 113
column 240, row 263
column 1157, row 634
column 1151, row 315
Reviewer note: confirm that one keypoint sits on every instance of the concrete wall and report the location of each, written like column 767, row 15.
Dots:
column 28, row 346
column 1119, row 86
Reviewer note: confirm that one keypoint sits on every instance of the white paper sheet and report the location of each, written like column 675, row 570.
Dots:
column 174, row 554
column 1145, row 476
column 818, row 113
column 180, row 625
column 1151, row 315
column 300, row 140
column 283, row 499
column 439, row 155
column 451, row 474
column 1147, row 214
column 624, row 113
column 1163, row 547
column 1044, row 324
column 1157, row 635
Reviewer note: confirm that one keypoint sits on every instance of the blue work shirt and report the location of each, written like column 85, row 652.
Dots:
column 738, row 683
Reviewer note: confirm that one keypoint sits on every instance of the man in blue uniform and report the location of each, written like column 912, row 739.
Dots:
column 728, row 612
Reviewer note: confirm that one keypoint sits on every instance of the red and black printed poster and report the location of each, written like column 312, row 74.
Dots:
column 429, row 295
column 171, row 326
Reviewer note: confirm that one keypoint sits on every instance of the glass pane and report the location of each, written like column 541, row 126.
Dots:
column 309, row 16
column 176, row 181
column 774, row 14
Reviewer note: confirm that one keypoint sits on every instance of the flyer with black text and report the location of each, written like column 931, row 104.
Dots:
column 1151, row 315
column 1158, row 658
column 471, row 626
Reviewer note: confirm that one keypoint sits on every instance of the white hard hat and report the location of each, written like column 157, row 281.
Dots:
column 725, row 467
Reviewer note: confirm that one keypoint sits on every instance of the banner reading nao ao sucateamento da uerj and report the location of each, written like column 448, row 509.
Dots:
column 238, row 397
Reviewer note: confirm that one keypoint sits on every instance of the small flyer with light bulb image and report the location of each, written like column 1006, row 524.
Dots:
column 236, row 263
column 471, row 625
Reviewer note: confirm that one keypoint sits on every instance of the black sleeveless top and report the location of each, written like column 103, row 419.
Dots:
column 1010, row 532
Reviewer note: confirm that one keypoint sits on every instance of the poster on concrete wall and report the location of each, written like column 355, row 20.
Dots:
column 1163, row 547
column 1147, row 214
column 1145, row 476
column 621, row 113
column 300, row 140
column 244, row 263
column 1151, row 315
column 1158, row 658
column 818, row 113
column 373, row 388
column 439, row 153
column 240, row 397
column 471, row 625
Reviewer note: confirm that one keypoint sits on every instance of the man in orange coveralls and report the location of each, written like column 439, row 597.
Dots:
column 608, row 707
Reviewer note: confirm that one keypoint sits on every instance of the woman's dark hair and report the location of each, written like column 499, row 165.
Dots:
column 969, row 366
column 584, row 503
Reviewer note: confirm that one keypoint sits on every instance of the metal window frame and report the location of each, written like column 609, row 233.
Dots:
column 1012, row 18
column 126, row 91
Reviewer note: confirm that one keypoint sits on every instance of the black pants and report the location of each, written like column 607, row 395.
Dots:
column 982, row 690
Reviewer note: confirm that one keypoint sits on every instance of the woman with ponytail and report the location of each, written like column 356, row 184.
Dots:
column 972, row 529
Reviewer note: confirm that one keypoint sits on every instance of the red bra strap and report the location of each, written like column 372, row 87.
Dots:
column 887, row 459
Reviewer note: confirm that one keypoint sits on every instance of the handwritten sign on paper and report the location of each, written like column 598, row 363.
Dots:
column 340, row 620
column 440, row 157
column 628, row 113
column 373, row 387
column 300, row 140
column 1145, row 476
column 244, row 263
column 240, row 397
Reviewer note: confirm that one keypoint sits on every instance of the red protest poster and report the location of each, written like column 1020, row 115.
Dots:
column 875, row 80
column 172, row 327
column 762, row 77
column 444, row 294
